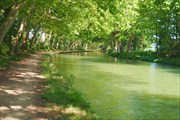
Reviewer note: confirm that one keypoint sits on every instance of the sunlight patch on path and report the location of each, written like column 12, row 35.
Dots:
column 20, row 92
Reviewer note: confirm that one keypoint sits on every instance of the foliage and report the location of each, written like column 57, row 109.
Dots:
column 5, row 60
column 119, row 25
column 149, row 56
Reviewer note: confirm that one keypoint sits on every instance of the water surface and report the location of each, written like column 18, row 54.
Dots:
column 124, row 89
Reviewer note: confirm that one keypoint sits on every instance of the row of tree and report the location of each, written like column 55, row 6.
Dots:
column 119, row 25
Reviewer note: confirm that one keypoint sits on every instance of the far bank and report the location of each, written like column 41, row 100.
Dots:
column 148, row 56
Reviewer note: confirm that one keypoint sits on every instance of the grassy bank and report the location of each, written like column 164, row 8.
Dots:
column 59, row 92
column 149, row 56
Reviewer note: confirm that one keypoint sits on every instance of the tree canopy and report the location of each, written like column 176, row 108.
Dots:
column 118, row 25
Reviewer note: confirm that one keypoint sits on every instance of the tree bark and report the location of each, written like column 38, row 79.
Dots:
column 25, row 38
column 37, row 42
column 113, row 39
column 57, row 45
column 16, row 39
column 52, row 44
column 6, row 25
column 129, row 44
column 47, row 39
column 34, row 37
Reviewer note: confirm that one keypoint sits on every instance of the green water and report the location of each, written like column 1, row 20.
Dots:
column 124, row 89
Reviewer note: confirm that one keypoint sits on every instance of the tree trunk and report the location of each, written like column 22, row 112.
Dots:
column 6, row 25
column 25, row 38
column 47, row 36
column 37, row 42
column 57, row 45
column 52, row 45
column 47, row 39
column 177, row 27
column 16, row 39
column 113, row 39
column 21, row 42
column 53, row 41
column 33, row 38
column 129, row 45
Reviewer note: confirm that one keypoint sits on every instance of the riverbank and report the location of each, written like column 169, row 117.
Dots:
column 148, row 56
column 27, row 94
column 60, row 95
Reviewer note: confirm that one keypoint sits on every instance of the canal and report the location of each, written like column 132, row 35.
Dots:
column 120, row 89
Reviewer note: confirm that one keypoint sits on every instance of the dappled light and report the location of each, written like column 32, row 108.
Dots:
column 100, row 73
column 19, row 91
column 74, row 110
column 20, row 94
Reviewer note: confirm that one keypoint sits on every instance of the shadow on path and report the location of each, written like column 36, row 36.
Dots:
column 20, row 89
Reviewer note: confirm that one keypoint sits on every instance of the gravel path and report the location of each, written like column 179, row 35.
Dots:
column 20, row 89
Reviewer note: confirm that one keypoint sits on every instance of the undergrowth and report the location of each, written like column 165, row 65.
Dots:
column 6, row 59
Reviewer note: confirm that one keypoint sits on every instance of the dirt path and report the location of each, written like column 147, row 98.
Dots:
column 20, row 89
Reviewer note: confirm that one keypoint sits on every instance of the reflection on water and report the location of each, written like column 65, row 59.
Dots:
column 125, row 89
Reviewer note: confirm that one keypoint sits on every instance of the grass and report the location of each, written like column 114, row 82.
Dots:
column 60, row 92
column 149, row 56
column 5, row 60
